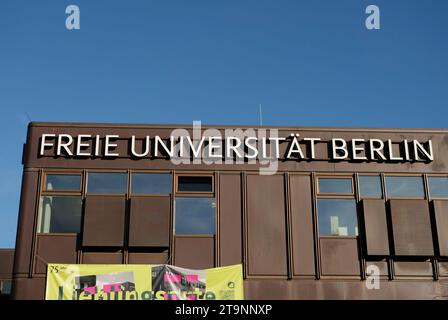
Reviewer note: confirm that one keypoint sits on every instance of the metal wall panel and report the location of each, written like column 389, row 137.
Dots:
column 411, row 228
column 194, row 252
column 302, row 224
column 413, row 268
column 28, row 289
column 230, row 219
column 339, row 257
column 102, row 258
column 149, row 224
column 6, row 263
column 441, row 218
column 375, row 227
column 104, row 220
column 148, row 258
column 381, row 265
column 443, row 269
column 266, row 225
column 52, row 248
column 27, row 211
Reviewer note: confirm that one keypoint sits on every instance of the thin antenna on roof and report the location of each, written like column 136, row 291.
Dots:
column 28, row 116
column 260, row 115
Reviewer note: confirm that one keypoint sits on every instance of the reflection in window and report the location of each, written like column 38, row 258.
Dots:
column 194, row 184
column 151, row 183
column 438, row 187
column 335, row 185
column 337, row 217
column 63, row 182
column 60, row 214
column 107, row 182
column 370, row 186
column 195, row 215
column 5, row 287
column 405, row 187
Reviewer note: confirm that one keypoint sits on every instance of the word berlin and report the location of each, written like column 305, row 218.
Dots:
column 233, row 147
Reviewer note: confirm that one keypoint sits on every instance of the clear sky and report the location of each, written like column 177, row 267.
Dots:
column 307, row 62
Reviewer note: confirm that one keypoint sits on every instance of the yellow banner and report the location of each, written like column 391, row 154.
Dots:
column 142, row 282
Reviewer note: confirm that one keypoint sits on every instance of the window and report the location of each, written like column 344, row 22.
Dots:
column 438, row 187
column 337, row 217
column 195, row 184
column 5, row 287
column 60, row 214
column 63, row 182
column 370, row 186
column 405, row 187
column 151, row 183
column 195, row 216
column 107, row 182
column 335, row 185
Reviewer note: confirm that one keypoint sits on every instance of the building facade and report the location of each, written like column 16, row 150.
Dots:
column 310, row 213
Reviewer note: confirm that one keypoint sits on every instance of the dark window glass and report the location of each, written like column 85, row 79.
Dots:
column 335, row 185
column 6, row 287
column 60, row 214
column 194, row 184
column 151, row 183
column 108, row 182
column 405, row 187
column 195, row 216
column 65, row 182
column 438, row 187
column 370, row 186
column 337, row 217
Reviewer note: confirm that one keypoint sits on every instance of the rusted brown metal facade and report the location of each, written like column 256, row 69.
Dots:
column 269, row 223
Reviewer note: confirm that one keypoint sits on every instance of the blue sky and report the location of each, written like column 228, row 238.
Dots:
column 307, row 62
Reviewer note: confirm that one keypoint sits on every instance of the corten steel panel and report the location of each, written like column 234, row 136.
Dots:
column 6, row 263
column 339, row 257
column 148, row 258
column 24, row 238
column 441, row 217
column 28, row 289
column 375, row 223
column 150, row 222
column 443, row 269
column 266, row 225
column 102, row 258
column 104, row 220
column 304, row 289
column 381, row 265
column 230, row 218
column 54, row 249
column 194, row 252
column 302, row 224
column 413, row 268
column 411, row 228
column 439, row 141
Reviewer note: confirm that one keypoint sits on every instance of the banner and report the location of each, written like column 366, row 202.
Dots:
column 142, row 282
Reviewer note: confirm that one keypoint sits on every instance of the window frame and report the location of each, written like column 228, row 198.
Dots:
column 194, row 193
column 404, row 175
column 215, row 224
column 335, row 196
column 323, row 194
column 38, row 217
column 378, row 175
column 428, row 188
column 126, row 193
column 334, row 236
column 46, row 173
column 132, row 195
